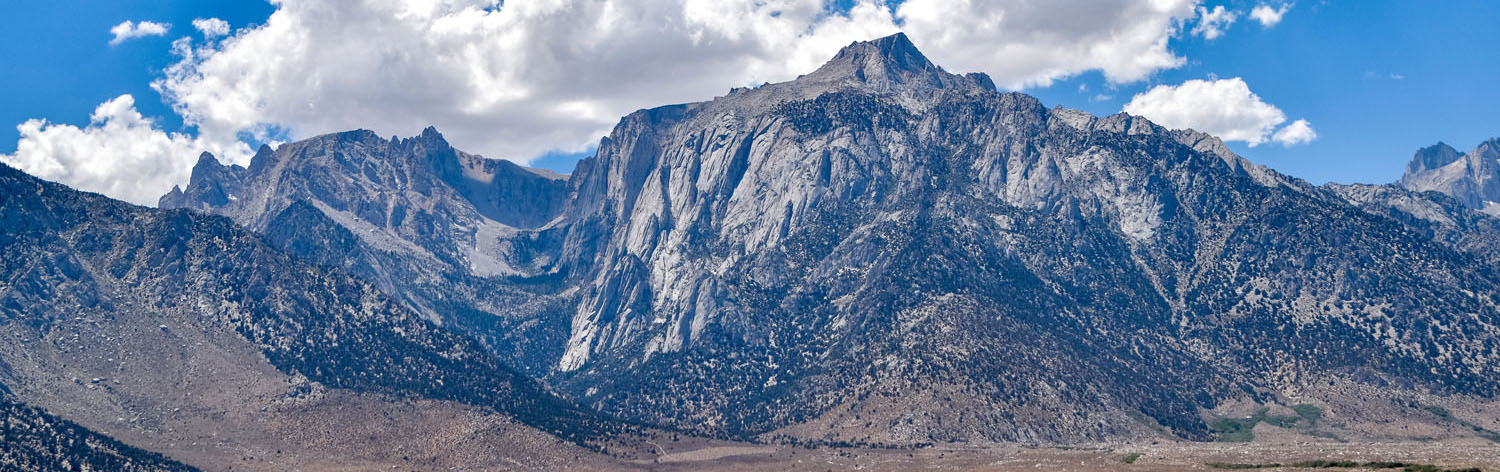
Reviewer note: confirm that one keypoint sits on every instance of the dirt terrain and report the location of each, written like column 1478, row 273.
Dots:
column 1002, row 458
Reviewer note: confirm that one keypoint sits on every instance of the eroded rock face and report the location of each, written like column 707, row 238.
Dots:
column 873, row 129
column 881, row 231
column 1473, row 178
column 415, row 196
column 212, row 185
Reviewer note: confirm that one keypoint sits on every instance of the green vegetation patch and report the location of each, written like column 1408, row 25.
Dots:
column 1130, row 459
column 1283, row 421
column 1237, row 429
column 1310, row 413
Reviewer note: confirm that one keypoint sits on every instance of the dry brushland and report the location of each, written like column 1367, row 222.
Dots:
column 1454, row 456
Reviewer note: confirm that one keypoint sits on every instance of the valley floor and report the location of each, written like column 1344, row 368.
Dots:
column 1148, row 457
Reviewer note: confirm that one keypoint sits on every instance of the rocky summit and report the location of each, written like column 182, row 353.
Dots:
column 1473, row 177
column 884, row 252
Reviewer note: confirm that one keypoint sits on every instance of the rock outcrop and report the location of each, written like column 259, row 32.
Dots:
column 1473, row 178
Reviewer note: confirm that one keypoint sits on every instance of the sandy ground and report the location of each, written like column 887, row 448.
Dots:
column 1002, row 458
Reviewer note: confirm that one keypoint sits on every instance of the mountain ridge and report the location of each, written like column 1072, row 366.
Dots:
column 178, row 322
column 882, row 251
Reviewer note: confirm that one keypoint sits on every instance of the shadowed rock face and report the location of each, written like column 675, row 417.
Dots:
column 884, row 251
column 213, row 185
column 1433, row 157
column 1473, row 178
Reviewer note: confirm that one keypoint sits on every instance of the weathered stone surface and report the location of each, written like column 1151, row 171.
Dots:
column 946, row 262
column 1473, row 178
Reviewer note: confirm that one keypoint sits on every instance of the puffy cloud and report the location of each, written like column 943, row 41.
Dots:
column 1224, row 107
column 211, row 27
column 1212, row 23
column 524, row 77
column 119, row 153
column 128, row 30
column 1299, row 132
column 1025, row 43
column 1267, row 15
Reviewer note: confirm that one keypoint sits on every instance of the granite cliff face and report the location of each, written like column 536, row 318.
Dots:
column 882, row 251
column 1473, row 178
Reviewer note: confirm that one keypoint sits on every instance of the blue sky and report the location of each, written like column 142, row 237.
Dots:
column 62, row 64
column 1333, row 63
column 1376, row 79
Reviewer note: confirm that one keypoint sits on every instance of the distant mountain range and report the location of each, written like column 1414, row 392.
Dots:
column 878, row 252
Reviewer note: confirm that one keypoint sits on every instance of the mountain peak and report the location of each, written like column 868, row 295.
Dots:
column 896, row 52
column 1432, row 157
column 893, row 58
column 890, row 63
column 206, row 162
column 207, row 167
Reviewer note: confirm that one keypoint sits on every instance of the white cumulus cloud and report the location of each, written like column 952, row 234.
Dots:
column 1213, row 22
column 128, row 30
column 517, row 79
column 211, row 27
column 1224, row 107
column 1299, row 132
column 119, row 153
column 1026, row 43
column 1267, row 15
